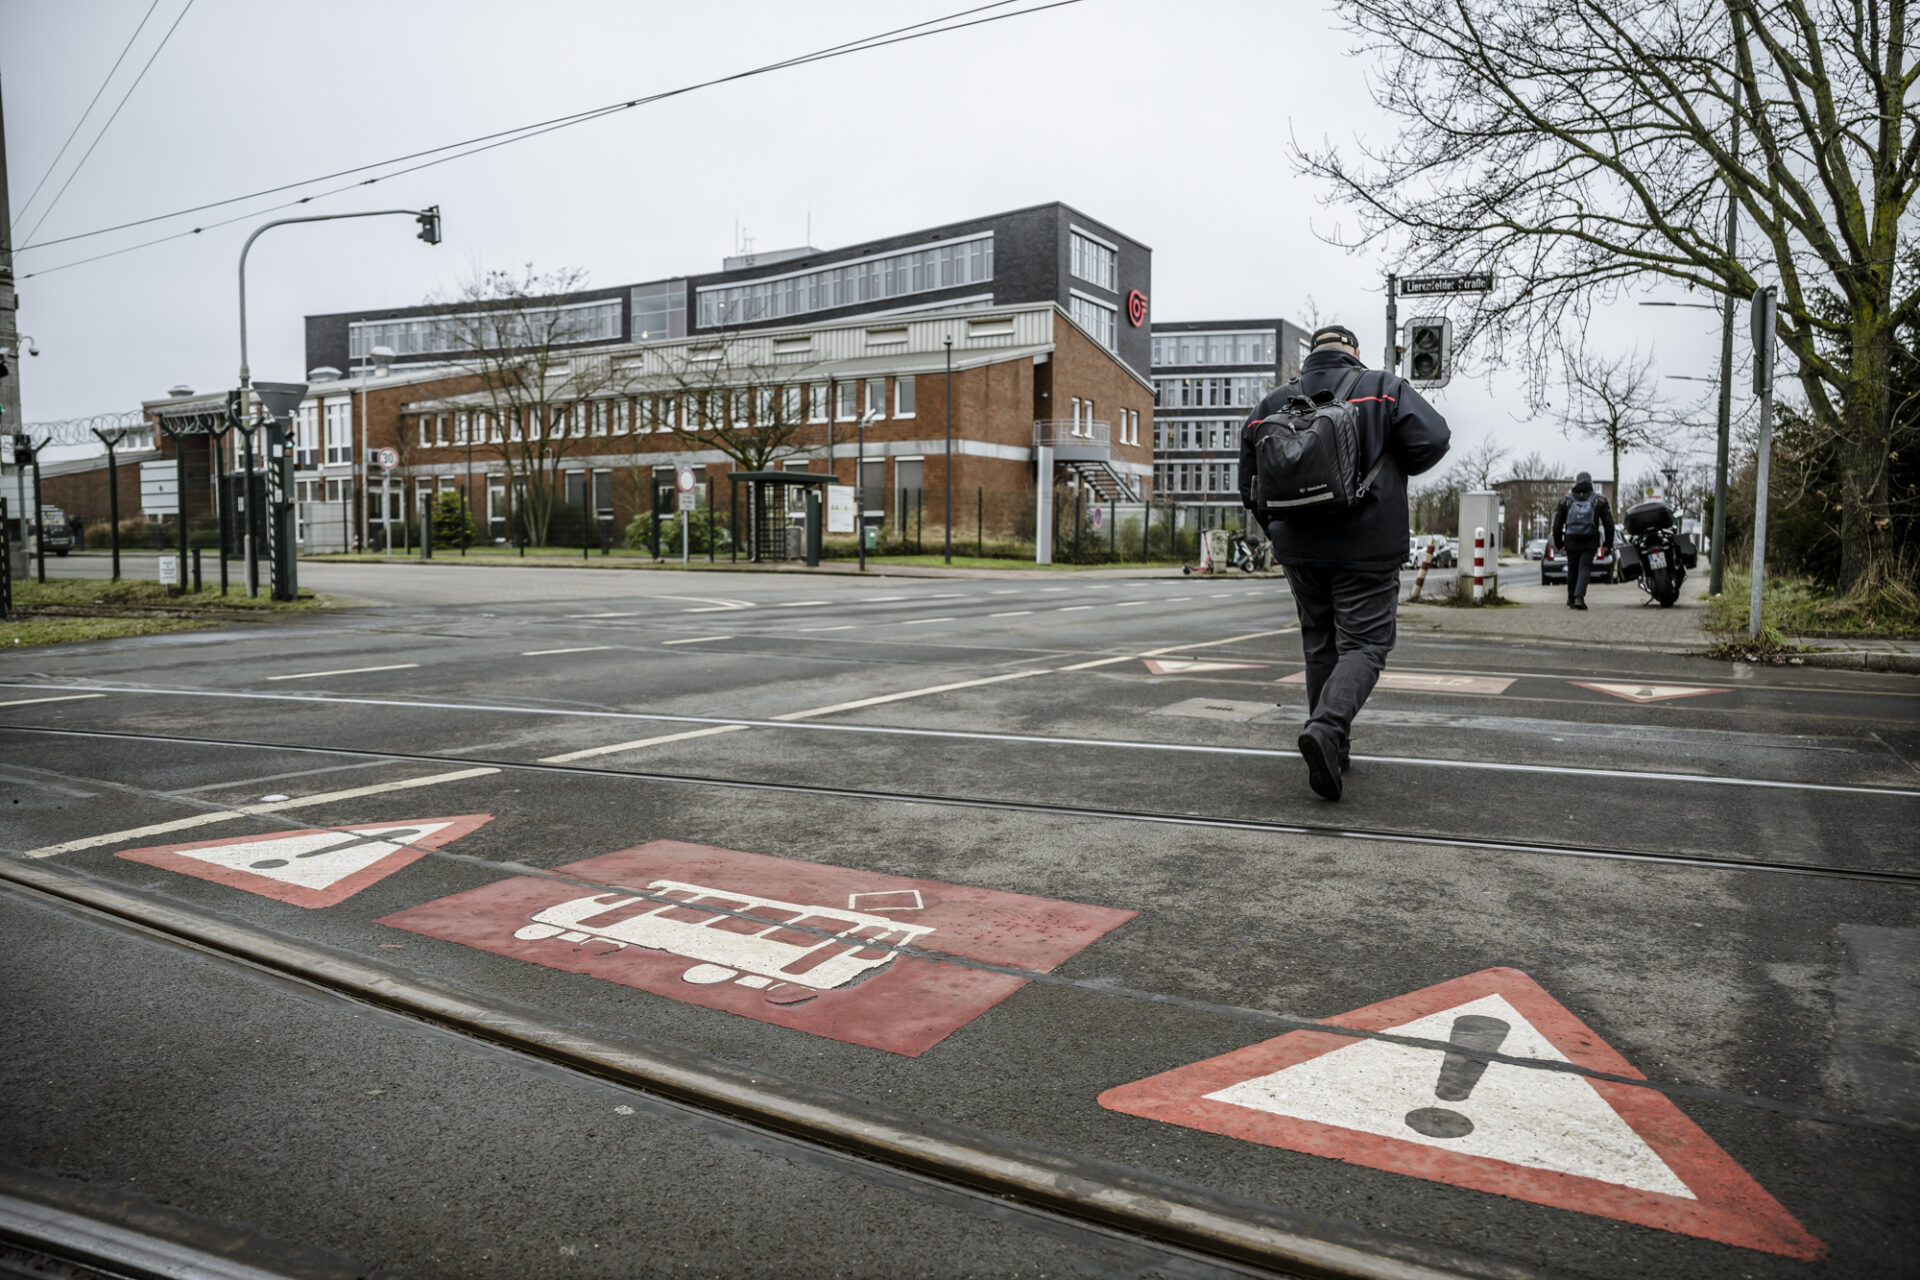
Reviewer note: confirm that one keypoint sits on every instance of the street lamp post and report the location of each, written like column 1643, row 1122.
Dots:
column 381, row 358
column 949, row 342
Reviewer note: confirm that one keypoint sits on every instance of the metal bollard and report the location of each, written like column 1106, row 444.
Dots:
column 196, row 571
column 1479, row 565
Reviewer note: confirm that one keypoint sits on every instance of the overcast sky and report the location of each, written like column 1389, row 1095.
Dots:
column 1166, row 120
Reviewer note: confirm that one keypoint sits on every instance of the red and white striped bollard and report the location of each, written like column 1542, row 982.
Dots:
column 1479, row 564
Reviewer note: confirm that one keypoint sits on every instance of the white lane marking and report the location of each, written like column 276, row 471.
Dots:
column 1128, row 604
column 947, row 595
column 786, row 720
column 603, row 615
column 585, row 648
column 249, row 810
column 718, row 608
column 1016, row 613
column 1050, row 590
column 345, row 671
column 1073, row 608
column 65, row 697
column 921, row 622
column 1174, row 599
column 696, row 639
column 1009, row 591
column 1178, row 648
column 798, row 604
column 845, row 626
column 880, row 599
column 910, row 693
column 641, row 742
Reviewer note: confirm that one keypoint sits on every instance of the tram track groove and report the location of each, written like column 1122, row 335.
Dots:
column 1910, row 879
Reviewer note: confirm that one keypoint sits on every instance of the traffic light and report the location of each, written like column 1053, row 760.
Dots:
column 429, row 220
column 1429, row 351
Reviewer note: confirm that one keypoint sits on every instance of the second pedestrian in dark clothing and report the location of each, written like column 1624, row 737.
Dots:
column 1344, row 566
column 1582, row 524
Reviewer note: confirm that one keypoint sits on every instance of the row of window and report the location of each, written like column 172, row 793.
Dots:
column 1196, row 477
column 1238, row 391
column 1242, row 346
column 512, row 328
column 896, row 275
column 1196, row 433
column 1083, row 421
column 1095, row 261
column 741, row 407
column 1096, row 317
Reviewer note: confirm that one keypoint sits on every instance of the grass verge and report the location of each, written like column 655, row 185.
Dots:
column 77, row 609
column 1793, row 606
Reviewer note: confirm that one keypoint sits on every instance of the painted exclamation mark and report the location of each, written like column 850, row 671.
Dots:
column 1459, row 1073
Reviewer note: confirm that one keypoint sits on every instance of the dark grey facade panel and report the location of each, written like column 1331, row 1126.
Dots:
column 327, row 335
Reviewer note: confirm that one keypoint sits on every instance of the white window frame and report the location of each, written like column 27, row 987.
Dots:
column 903, row 397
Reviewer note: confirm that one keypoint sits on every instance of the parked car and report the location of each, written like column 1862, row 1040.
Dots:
column 1536, row 549
column 56, row 535
column 1553, row 566
column 1445, row 551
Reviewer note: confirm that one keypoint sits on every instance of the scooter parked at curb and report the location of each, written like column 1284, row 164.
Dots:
column 1654, row 551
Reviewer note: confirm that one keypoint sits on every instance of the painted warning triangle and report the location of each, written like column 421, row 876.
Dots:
column 1187, row 666
column 313, row 868
column 1535, row 1133
column 1647, row 692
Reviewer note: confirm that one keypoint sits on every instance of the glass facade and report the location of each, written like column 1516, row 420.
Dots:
column 1241, row 391
column 660, row 311
column 1097, row 318
column 1254, row 346
column 1095, row 262
column 897, row 275
column 508, row 328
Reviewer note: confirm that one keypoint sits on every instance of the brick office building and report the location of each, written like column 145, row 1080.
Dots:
column 1066, row 293
column 1017, row 373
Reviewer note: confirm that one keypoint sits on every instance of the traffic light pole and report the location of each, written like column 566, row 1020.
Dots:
column 1391, row 361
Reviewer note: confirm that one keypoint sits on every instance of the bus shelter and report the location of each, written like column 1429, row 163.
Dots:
column 768, row 524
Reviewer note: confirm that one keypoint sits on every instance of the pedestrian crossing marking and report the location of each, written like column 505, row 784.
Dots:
column 1427, row 682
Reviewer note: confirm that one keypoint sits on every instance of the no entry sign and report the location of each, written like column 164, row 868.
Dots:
column 806, row 945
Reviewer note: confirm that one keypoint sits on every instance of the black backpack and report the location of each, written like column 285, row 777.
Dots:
column 1307, row 455
column 1582, row 516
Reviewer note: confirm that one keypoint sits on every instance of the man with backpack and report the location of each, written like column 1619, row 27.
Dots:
column 1578, row 525
column 1324, row 462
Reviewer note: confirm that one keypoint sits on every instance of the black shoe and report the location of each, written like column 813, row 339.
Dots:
column 1580, row 604
column 1322, row 757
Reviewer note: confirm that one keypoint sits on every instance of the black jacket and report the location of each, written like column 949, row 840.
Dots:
column 1604, row 538
column 1396, row 424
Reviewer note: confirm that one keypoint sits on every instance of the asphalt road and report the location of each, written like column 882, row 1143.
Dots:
column 1643, row 924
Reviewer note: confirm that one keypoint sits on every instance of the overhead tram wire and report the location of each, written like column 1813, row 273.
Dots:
column 145, row 67
column 59, row 155
column 487, row 142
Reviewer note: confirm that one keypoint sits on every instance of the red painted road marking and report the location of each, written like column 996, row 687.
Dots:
column 313, row 868
column 1646, row 692
column 1594, row 1146
column 706, row 926
column 1187, row 666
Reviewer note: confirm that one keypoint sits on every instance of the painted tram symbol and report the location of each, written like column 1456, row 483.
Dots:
column 739, row 937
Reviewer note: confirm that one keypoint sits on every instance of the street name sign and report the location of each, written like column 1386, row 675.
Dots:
column 1462, row 282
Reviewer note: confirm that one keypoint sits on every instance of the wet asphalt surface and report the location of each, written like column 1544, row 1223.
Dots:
column 1777, row 1009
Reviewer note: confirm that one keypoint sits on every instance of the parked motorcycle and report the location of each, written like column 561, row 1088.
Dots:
column 1654, row 551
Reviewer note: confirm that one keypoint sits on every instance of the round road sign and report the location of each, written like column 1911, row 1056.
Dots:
column 389, row 459
column 685, row 479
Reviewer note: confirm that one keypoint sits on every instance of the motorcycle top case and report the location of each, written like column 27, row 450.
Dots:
column 1644, row 517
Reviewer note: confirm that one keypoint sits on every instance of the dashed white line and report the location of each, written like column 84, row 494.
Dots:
column 1049, row 590
column 603, row 615
column 1128, row 604
column 696, row 639
column 910, row 693
column 1016, row 613
column 642, row 742
column 1073, row 608
column 798, row 604
column 585, row 648
column 847, row 626
column 65, row 697
column 345, row 671
column 921, row 622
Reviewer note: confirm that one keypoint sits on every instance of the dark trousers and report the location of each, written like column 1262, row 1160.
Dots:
column 1579, row 569
column 1347, row 627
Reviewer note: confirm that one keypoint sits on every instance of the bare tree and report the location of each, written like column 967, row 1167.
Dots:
column 1616, row 401
column 1581, row 147
column 737, row 397
column 520, row 336
column 1475, row 468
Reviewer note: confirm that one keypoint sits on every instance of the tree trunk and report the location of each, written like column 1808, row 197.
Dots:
column 1864, row 454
